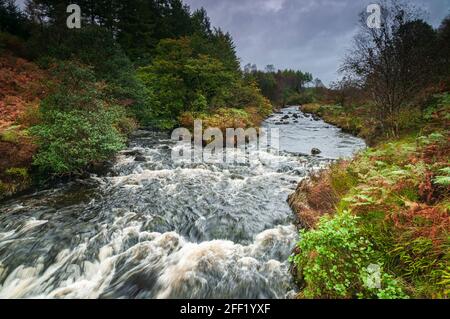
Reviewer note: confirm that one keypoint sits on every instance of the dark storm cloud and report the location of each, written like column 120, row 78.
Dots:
column 311, row 35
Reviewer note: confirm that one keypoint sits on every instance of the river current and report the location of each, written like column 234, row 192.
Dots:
column 153, row 228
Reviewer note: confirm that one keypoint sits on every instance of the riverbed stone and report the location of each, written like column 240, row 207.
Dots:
column 140, row 158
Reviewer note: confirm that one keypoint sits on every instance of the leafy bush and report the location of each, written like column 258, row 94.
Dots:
column 333, row 261
column 296, row 98
column 80, row 123
column 69, row 141
column 14, row 179
column 222, row 118
column 11, row 134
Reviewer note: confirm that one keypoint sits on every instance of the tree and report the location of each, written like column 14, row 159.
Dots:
column 250, row 68
column 270, row 68
column 444, row 49
column 201, row 24
column 394, row 61
column 318, row 83
column 12, row 20
column 279, row 86
column 179, row 79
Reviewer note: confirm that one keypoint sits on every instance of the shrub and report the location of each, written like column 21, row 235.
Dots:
column 80, row 123
column 69, row 141
column 333, row 261
column 11, row 134
column 222, row 118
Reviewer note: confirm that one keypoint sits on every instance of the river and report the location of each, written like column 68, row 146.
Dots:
column 157, row 229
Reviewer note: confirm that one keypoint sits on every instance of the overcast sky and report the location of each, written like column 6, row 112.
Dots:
column 310, row 35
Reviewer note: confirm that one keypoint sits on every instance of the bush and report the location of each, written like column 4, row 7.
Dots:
column 69, row 141
column 333, row 262
column 222, row 118
column 80, row 123
column 12, row 180
column 305, row 97
column 11, row 134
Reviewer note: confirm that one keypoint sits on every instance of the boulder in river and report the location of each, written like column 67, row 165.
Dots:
column 285, row 117
column 140, row 158
column 132, row 153
column 315, row 151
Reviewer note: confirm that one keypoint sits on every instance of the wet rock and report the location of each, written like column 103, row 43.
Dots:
column 296, row 115
column 132, row 153
column 315, row 151
column 285, row 117
column 140, row 158
column 316, row 118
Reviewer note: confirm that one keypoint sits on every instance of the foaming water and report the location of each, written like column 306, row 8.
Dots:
column 157, row 229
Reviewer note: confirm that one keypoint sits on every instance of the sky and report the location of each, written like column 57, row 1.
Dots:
column 308, row 35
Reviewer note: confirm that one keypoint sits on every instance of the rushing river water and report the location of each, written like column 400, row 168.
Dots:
column 155, row 229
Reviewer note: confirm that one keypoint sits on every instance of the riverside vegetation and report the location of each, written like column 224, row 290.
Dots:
column 70, row 98
column 389, row 206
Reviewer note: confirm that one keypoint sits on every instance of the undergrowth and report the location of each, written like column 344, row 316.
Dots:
column 392, row 210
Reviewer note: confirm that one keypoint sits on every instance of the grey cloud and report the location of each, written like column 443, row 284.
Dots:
column 311, row 35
